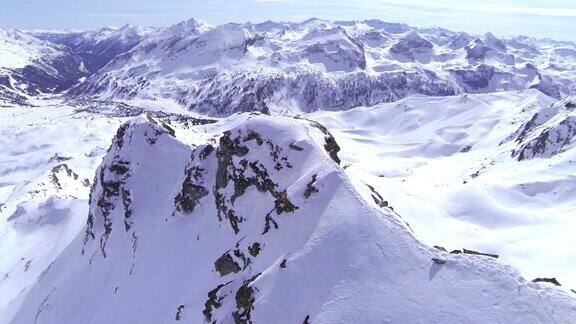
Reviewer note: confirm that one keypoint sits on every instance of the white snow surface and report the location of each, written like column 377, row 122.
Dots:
column 18, row 49
column 336, row 255
column 446, row 165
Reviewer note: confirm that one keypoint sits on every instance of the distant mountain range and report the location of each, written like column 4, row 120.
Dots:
column 273, row 66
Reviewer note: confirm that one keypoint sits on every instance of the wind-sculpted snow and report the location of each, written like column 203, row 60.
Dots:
column 323, row 65
column 259, row 223
column 491, row 172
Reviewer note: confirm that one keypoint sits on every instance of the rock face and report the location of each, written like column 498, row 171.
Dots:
column 549, row 132
column 260, row 215
column 412, row 47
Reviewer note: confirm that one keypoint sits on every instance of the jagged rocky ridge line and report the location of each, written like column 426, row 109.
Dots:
column 182, row 221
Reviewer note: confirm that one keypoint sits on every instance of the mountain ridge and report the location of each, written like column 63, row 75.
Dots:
column 303, row 67
column 251, row 259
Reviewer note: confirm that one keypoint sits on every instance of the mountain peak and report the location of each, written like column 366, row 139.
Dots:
column 160, row 205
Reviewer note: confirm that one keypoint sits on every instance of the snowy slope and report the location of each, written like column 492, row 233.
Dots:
column 491, row 173
column 173, row 234
column 96, row 47
column 47, row 159
column 324, row 65
column 48, row 156
column 29, row 67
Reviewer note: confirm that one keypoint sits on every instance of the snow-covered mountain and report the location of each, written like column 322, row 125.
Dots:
column 260, row 173
column 179, row 220
column 97, row 47
column 298, row 67
column 323, row 65
column 37, row 62
column 29, row 67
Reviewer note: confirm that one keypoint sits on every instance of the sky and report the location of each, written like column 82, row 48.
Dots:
column 541, row 18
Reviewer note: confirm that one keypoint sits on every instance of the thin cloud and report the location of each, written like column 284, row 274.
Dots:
column 500, row 7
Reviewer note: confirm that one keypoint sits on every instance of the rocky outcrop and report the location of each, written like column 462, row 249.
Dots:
column 549, row 132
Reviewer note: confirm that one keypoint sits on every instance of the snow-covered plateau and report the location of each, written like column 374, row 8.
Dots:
column 314, row 172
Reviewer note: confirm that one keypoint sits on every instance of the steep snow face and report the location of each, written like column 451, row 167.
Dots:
column 324, row 65
column 491, row 172
column 97, row 47
column 48, row 157
column 29, row 66
column 180, row 220
column 47, row 161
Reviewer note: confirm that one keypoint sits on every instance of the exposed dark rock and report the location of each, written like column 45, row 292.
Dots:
column 330, row 143
column 27, row 265
column 252, row 135
column 119, row 138
column 477, row 79
column 456, row 252
column 479, row 253
column 295, row 147
column 227, row 149
column 254, row 249
column 548, row 280
column 179, row 313
column 550, row 141
column 192, row 190
column 283, row 264
column 206, row 151
column 409, row 47
column 213, row 301
column 377, row 197
column 306, row 320
column 120, row 167
column 244, row 302
column 126, row 201
column 332, row 148
column 245, row 260
column 526, row 128
column 438, row 261
column 226, row 265
column 226, row 171
column 167, row 128
column 269, row 222
column 310, row 189
column 283, row 204
column 56, row 170
column 440, row 248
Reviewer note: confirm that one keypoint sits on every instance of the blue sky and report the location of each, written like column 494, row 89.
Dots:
column 542, row 18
